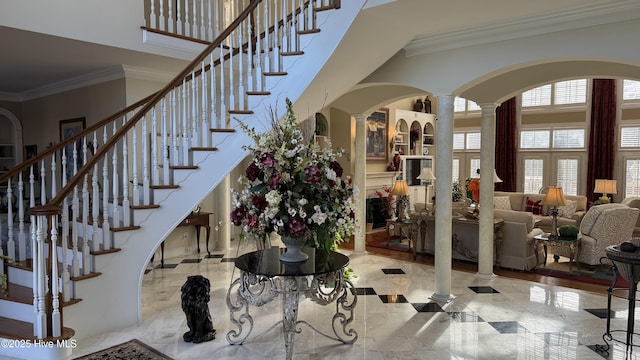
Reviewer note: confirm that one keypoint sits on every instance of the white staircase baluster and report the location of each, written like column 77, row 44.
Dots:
column 183, row 121
column 194, row 21
column 222, row 114
column 187, row 23
column 134, row 166
column 86, row 256
column 202, row 138
column 126, row 208
column 203, row 22
column 155, row 170
column 11, row 244
column 115, row 178
column 40, row 323
column 187, row 118
column 106, row 214
column 95, row 200
column 213, row 101
column 178, row 19
column 75, row 209
column 170, row 20
column 22, row 236
column 161, row 18
column 145, row 161
column 64, row 245
column 174, row 134
column 152, row 14
column 43, row 183
column 165, row 144
column 56, row 320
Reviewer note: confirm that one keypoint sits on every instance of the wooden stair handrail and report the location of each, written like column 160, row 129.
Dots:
column 155, row 99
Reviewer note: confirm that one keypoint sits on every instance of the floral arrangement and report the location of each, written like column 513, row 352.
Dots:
column 293, row 188
column 388, row 198
column 457, row 191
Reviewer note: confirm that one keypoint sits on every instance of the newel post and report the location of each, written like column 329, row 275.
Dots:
column 46, row 290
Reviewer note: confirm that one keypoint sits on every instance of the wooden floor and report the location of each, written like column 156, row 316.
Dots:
column 472, row 267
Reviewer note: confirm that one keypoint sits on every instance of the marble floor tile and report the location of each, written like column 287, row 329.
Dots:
column 499, row 318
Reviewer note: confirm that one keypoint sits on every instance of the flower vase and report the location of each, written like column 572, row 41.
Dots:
column 294, row 246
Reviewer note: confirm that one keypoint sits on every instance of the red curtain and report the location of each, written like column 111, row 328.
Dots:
column 506, row 145
column 602, row 140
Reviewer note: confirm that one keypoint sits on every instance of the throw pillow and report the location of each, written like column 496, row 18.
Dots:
column 568, row 210
column 534, row 207
column 502, row 202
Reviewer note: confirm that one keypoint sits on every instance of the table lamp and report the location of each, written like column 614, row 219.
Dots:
column 428, row 177
column 605, row 187
column 401, row 190
column 555, row 198
column 496, row 179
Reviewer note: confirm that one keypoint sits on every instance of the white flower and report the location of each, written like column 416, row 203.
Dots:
column 331, row 175
column 319, row 218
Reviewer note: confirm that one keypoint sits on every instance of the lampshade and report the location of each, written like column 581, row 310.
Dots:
column 400, row 188
column 554, row 197
column 426, row 174
column 604, row 186
column 496, row 179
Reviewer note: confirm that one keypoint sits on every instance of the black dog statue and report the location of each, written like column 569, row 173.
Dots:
column 195, row 304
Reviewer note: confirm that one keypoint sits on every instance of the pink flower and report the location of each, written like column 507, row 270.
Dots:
column 267, row 160
column 297, row 227
column 238, row 215
column 252, row 171
column 259, row 202
column 313, row 175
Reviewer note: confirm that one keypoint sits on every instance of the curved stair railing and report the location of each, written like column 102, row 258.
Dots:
column 82, row 190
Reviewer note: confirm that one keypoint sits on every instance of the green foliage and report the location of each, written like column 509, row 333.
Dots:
column 568, row 231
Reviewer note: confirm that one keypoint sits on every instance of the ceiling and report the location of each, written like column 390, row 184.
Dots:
column 33, row 61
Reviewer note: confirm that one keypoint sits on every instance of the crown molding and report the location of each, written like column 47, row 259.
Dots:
column 599, row 14
column 89, row 79
column 93, row 78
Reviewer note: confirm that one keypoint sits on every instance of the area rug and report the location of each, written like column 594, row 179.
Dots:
column 394, row 243
column 130, row 350
column 602, row 274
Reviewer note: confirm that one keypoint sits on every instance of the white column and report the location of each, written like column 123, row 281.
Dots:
column 487, row 164
column 359, row 180
column 444, row 162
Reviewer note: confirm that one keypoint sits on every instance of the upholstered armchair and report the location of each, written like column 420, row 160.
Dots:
column 634, row 202
column 603, row 225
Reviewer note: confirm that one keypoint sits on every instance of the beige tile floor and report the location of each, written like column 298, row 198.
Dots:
column 502, row 318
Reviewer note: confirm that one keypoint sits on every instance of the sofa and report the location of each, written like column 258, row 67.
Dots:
column 571, row 214
column 634, row 202
column 603, row 225
column 518, row 244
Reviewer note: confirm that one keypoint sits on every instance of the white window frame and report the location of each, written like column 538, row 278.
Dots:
column 553, row 107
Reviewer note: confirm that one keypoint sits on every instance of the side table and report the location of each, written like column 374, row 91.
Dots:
column 544, row 240
column 627, row 266
column 408, row 229
column 263, row 278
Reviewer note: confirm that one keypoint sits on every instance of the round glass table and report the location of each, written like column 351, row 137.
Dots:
column 263, row 277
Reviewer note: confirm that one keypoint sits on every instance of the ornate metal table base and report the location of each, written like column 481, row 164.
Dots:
column 324, row 289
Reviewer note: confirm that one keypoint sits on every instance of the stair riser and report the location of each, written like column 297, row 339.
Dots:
column 17, row 311
column 20, row 276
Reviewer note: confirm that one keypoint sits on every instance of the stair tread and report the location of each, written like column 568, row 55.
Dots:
column 18, row 293
column 21, row 330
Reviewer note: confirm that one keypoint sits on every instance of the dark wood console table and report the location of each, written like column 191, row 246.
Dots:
column 198, row 220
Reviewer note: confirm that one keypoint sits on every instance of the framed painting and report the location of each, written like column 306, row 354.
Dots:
column 29, row 152
column 69, row 128
column 377, row 142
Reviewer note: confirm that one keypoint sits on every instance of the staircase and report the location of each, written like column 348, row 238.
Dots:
column 111, row 194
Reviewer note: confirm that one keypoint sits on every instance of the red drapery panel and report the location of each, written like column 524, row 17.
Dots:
column 506, row 145
column 602, row 140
